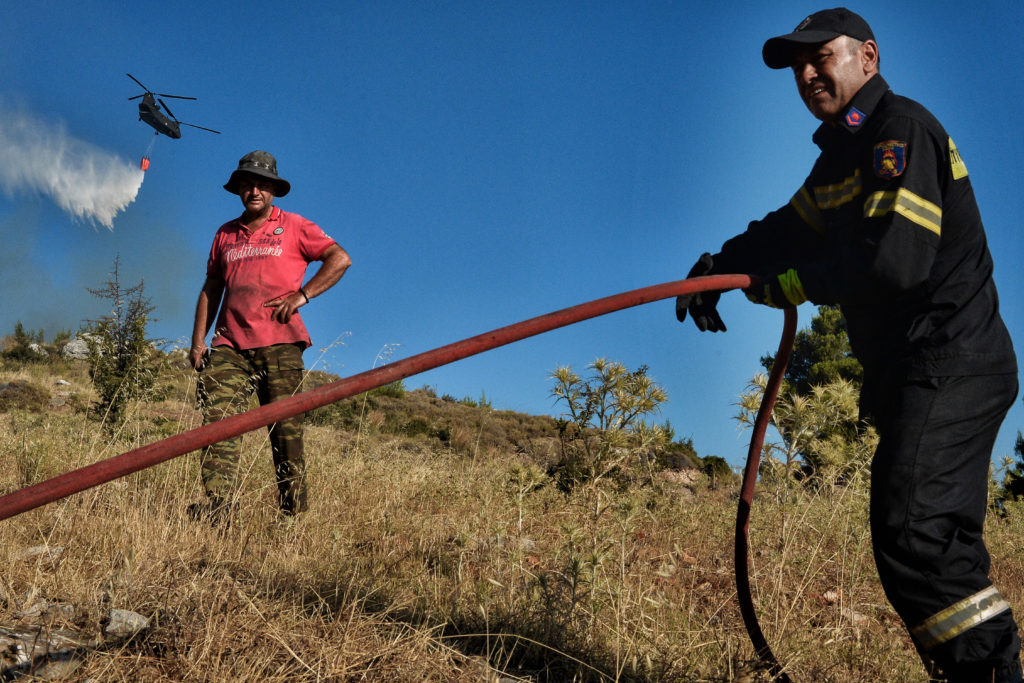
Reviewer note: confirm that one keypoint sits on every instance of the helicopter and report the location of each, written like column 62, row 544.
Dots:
column 149, row 111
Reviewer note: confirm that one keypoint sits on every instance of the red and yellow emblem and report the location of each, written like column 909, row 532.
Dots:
column 890, row 159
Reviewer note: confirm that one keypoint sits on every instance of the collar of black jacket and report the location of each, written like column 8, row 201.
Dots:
column 858, row 111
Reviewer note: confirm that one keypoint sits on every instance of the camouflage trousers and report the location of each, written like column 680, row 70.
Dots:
column 226, row 384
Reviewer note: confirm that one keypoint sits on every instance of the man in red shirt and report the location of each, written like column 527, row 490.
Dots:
column 254, row 277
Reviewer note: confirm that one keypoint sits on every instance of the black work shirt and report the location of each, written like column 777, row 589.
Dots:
column 886, row 226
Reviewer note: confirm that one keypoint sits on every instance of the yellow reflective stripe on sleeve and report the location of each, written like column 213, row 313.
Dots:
column 956, row 162
column 808, row 210
column 764, row 296
column 792, row 288
column 834, row 196
column 907, row 204
column 955, row 619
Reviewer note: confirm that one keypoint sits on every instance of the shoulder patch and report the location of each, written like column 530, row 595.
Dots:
column 956, row 163
column 890, row 159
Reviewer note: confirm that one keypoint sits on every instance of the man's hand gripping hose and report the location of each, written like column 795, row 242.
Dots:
column 141, row 458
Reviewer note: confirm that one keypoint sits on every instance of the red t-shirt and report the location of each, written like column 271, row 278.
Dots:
column 258, row 267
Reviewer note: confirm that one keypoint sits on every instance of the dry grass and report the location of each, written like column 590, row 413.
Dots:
column 427, row 561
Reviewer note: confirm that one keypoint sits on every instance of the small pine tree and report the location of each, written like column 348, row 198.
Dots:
column 821, row 354
column 20, row 349
column 120, row 356
column 817, row 411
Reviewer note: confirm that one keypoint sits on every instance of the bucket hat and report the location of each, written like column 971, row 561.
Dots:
column 262, row 164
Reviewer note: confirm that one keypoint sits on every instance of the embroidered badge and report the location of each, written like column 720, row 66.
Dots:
column 278, row 231
column 890, row 159
column 854, row 117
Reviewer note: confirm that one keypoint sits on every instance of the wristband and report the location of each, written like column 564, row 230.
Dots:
column 302, row 291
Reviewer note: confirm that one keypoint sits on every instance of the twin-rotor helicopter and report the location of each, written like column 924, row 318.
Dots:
column 150, row 113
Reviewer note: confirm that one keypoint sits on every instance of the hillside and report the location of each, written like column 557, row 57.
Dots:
column 437, row 548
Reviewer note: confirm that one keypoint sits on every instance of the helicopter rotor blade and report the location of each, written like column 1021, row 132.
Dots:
column 136, row 97
column 199, row 127
column 158, row 94
column 137, row 81
column 168, row 109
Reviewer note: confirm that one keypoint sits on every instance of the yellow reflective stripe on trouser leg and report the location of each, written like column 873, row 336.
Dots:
column 792, row 287
column 955, row 619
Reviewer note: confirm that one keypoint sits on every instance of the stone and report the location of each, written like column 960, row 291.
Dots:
column 45, row 555
column 76, row 349
column 123, row 623
column 44, row 610
column 43, row 654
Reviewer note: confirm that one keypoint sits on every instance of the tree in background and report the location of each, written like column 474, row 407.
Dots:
column 122, row 367
column 816, row 414
column 1013, row 483
column 821, row 354
column 20, row 345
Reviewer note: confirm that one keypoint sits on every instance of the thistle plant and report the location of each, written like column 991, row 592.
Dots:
column 604, row 433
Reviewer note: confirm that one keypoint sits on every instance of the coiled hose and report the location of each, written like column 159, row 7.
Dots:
column 126, row 463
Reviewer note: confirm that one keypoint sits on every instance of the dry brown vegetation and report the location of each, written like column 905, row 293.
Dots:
column 436, row 549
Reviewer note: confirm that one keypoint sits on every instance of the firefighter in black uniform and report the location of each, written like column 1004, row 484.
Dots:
column 886, row 226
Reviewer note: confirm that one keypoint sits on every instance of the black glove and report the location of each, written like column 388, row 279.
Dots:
column 783, row 290
column 701, row 305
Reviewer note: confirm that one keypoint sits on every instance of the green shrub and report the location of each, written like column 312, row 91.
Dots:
column 23, row 395
column 18, row 345
column 342, row 414
column 717, row 469
column 679, row 455
column 395, row 389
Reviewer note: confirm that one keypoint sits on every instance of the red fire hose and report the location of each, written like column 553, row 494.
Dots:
column 132, row 461
column 741, row 546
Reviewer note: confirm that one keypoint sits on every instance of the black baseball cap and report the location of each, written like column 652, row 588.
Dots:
column 820, row 27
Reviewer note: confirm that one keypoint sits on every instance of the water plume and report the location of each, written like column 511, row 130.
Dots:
column 87, row 182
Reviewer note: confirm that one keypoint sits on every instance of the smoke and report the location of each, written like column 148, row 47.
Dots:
column 87, row 182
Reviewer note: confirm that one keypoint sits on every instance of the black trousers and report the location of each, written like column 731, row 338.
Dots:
column 929, row 487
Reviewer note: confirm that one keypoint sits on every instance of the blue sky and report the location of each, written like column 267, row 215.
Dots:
column 483, row 163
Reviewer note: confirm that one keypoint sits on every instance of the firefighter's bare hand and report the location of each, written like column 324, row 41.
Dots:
column 285, row 306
